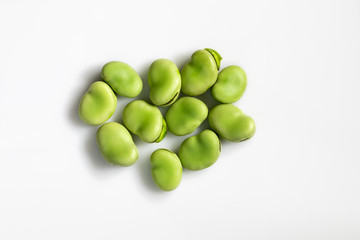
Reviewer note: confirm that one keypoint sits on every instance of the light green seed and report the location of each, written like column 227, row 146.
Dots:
column 200, row 151
column 98, row 104
column 166, row 169
column 144, row 120
column 231, row 123
column 230, row 85
column 116, row 144
column 164, row 81
column 185, row 115
column 201, row 72
column 122, row 78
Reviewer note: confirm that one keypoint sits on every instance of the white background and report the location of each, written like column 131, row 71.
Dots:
column 297, row 178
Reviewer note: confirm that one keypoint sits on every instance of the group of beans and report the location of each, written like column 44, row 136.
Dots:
column 185, row 114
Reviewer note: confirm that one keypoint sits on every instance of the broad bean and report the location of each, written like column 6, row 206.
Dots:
column 164, row 81
column 201, row 72
column 231, row 123
column 200, row 151
column 116, row 144
column 185, row 115
column 122, row 78
column 230, row 85
column 166, row 169
column 98, row 104
column 144, row 120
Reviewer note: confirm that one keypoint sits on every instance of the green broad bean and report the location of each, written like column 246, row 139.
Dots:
column 185, row 115
column 201, row 72
column 164, row 81
column 98, row 104
column 230, row 85
column 231, row 123
column 166, row 169
column 116, row 144
column 122, row 78
column 200, row 151
column 144, row 120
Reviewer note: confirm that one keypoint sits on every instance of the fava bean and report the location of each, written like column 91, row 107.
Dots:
column 164, row 81
column 98, row 104
column 230, row 85
column 116, row 144
column 231, row 123
column 200, row 73
column 144, row 120
column 200, row 151
column 122, row 78
column 166, row 169
column 185, row 115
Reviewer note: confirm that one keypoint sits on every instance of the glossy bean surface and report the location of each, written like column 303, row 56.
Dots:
column 230, row 85
column 164, row 81
column 231, row 123
column 122, row 78
column 98, row 104
column 116, row 144
column 144, row 120
column 166, row 169
column 200, row 72
column 185, row 115
column 200, row 151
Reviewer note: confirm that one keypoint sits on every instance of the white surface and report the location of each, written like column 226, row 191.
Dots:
column 298, row 178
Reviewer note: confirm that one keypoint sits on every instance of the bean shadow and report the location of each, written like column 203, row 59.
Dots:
column 144, row 168
column 181, row 59
column 143, row 73
column 93, row 153
column 210, row 102
column 143, row 164
column 74, row 118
